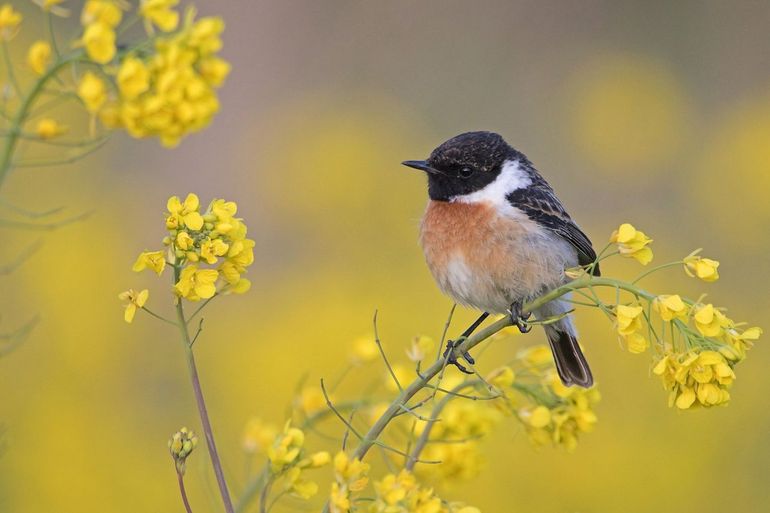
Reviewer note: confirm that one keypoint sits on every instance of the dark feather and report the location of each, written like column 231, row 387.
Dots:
column 541, row 205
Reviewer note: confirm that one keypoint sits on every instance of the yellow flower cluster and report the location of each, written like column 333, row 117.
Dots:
column 100, row 18
column 181, row 445
column 216, row 238
column 171, row 92
column 455, row 440
column 695, row 378
column 350, row 477
column 402, row 493
column 565, row 412
column 288, row 460
column 632, row 243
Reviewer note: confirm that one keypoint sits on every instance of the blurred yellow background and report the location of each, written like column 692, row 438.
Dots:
column 647, row 112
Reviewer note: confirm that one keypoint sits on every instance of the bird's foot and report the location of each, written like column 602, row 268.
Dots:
column 519, row 318
column 450, row 358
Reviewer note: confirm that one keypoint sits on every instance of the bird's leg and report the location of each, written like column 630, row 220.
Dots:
column 519, row 318
column 453, row 343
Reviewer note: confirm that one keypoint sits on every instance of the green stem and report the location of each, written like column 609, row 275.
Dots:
column 654, row 269
column 183, row 492
column 215, row 462
column 6, row 156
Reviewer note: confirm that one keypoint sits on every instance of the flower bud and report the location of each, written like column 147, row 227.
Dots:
column 181, row 445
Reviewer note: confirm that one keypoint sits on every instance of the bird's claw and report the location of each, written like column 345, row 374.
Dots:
column 519, row 318
column 450, row 358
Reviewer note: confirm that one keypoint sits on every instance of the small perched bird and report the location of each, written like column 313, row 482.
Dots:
column 495, row 236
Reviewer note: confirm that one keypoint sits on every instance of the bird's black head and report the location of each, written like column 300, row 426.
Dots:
column 464, row 164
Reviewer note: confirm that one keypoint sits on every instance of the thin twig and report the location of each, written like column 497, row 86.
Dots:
column 382, row 353
column 180, row 478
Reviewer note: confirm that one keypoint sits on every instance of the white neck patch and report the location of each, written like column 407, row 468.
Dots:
column 511, row 177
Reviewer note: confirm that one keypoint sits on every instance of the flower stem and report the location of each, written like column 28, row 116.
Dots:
column 215, row 462
column 180, row 478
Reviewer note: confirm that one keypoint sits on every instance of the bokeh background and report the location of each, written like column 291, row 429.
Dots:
column 655, row 113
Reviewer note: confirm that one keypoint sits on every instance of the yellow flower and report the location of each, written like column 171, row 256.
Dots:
column 502, row 377
column 636, row 343
column 698, row 377
column 101, row 11
column 39, row 56
column 10, row 20
column 708, row 320
column 184, row 214
column 296, row 485
column 536, row 356
column 740, row 342
column 204, row 35
column 48, row 128
column 703, row 268
column 632, row 243
column 286, row 449
column 539, row 417
column 670, row 307
column 211, row 249
column 160, row 13
column 99, row 41
column 364, row 350
column 351, row 472
column 150, row 260
column 420, row 348
column 258, row 436
column 196, row 284
column 311, row 400
column 214, row 70
column 184, row 241
column 133, row 78
column 135, row 300
column 628, row 319
column 92, row 92
column 180, row 446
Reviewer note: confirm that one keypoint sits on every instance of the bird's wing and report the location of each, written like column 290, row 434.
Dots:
column 541, row 205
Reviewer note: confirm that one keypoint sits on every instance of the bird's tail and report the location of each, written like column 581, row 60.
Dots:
column 571, row 364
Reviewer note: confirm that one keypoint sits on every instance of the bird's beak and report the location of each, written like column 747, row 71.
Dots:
column 421, row 165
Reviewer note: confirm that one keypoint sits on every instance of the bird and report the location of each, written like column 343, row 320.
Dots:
column 495, row 236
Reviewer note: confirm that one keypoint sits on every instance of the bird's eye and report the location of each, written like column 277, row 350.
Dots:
column 466, row 172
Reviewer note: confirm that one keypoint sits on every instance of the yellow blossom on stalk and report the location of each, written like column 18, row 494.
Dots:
column 53, row 6
column 636, row 343
column 632, row 243
column 48, row 128
column 401, row 493
column 670, row 307
column 286, row 449
column 214, row 70
column 106, row 12
column 92, row 91
column 420, row 348
column 350, row 476
column 183, row 74
column 150, row 260
column 709, row 321
column 99, row 42
column 698, row 377
column 311, row 400
column 196, row 284
column 10, row 19
column 159, row 13
column 459, row 462
column 502, row 377
column 364, row 350
column 628, row 319
column 135, row 300
column 535, row 356
column 211, row 249
column 184, row 241
column 257, row 436
column 184, row 214
column 181, row 445
column 703, row 268
column 740, row 342
column 39, row 56
column 133, row 77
